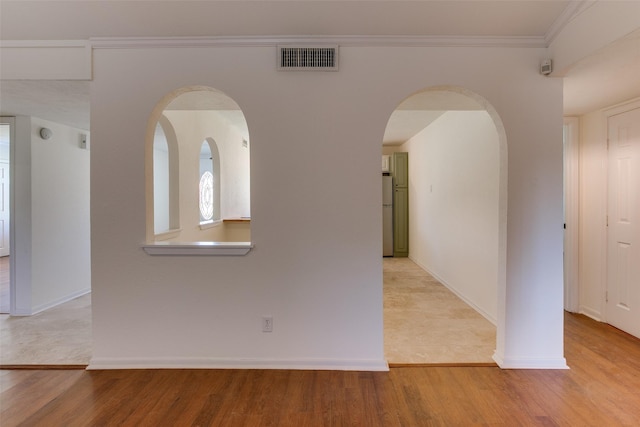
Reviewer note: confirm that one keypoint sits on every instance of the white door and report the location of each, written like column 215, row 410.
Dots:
column 623, row 261
column 4, row 209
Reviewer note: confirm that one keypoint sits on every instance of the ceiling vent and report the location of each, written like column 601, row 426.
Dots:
column 308, row 58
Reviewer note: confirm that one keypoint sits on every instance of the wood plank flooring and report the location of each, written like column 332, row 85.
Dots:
column 602, row 388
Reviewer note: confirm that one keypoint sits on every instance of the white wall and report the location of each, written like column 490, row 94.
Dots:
column 315, row 198
column 52, row 224
column 454, row 168
column 21, row 242
column 192, row 128
column 61, row 254
column 593, row 214
column 161, row 187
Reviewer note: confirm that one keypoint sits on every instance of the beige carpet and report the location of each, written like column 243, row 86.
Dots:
column 425, row 323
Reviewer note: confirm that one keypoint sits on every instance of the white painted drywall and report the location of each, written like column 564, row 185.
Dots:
column 454, row 168
column 161, row 208
column 21, row 242
column 593, row 214
column 60, row 217
column 315, row 205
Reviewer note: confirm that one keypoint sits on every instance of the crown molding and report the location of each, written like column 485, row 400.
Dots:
column 573, row 9
column 21, row 44
column 357, row 41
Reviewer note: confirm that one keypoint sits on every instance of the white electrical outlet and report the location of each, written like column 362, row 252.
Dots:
column 267, row 324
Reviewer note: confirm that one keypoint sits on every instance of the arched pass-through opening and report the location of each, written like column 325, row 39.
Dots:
column 189, row 119
column 457, row 224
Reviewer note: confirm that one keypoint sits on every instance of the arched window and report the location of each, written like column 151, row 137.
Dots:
column 209, row 185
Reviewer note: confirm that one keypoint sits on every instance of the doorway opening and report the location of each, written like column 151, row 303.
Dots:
column 442, row 304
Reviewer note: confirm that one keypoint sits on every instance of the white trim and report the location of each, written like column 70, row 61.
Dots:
column 198, row 248
column 102, row 363
column 56, row 302
column 169, row 234
column 572, row 214
column 620, row 108
column 70, row 66
column 589, row 312
column 43, row 43
column 205, row 225
column 530, row 363
column 573, row 9
column 253, row 41
column 457, row 293
column 11, row 121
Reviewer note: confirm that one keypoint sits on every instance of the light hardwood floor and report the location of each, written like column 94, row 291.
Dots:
column 424, row 323
column 600, row 389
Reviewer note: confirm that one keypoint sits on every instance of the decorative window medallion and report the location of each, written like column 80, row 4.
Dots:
column 206, row 196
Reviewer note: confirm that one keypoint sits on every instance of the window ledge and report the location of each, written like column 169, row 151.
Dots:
column 169, row 234
column 210, row 224
column 198, row 248
column 237, row 220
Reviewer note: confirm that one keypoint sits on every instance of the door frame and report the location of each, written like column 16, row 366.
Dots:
column 571, row 159
column 12, row 232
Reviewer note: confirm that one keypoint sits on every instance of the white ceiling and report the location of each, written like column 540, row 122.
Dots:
column 212, row 100
column 420, row 110
column 81, row 19
column 59, row 101
column 607, row 77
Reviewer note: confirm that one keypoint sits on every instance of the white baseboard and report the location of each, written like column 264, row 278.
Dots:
column 530, row 363
column 589, row 312
column 59, row 301
column 458, row 294
column 103, row 363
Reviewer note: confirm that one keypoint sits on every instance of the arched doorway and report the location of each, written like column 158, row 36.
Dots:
column 457, row 179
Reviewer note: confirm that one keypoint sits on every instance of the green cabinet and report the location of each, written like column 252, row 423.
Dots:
column 400, row 222
column 400, row 173
column 400, row 169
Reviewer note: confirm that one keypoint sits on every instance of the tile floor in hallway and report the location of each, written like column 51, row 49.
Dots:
column 424, row 324
column 58, row 336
